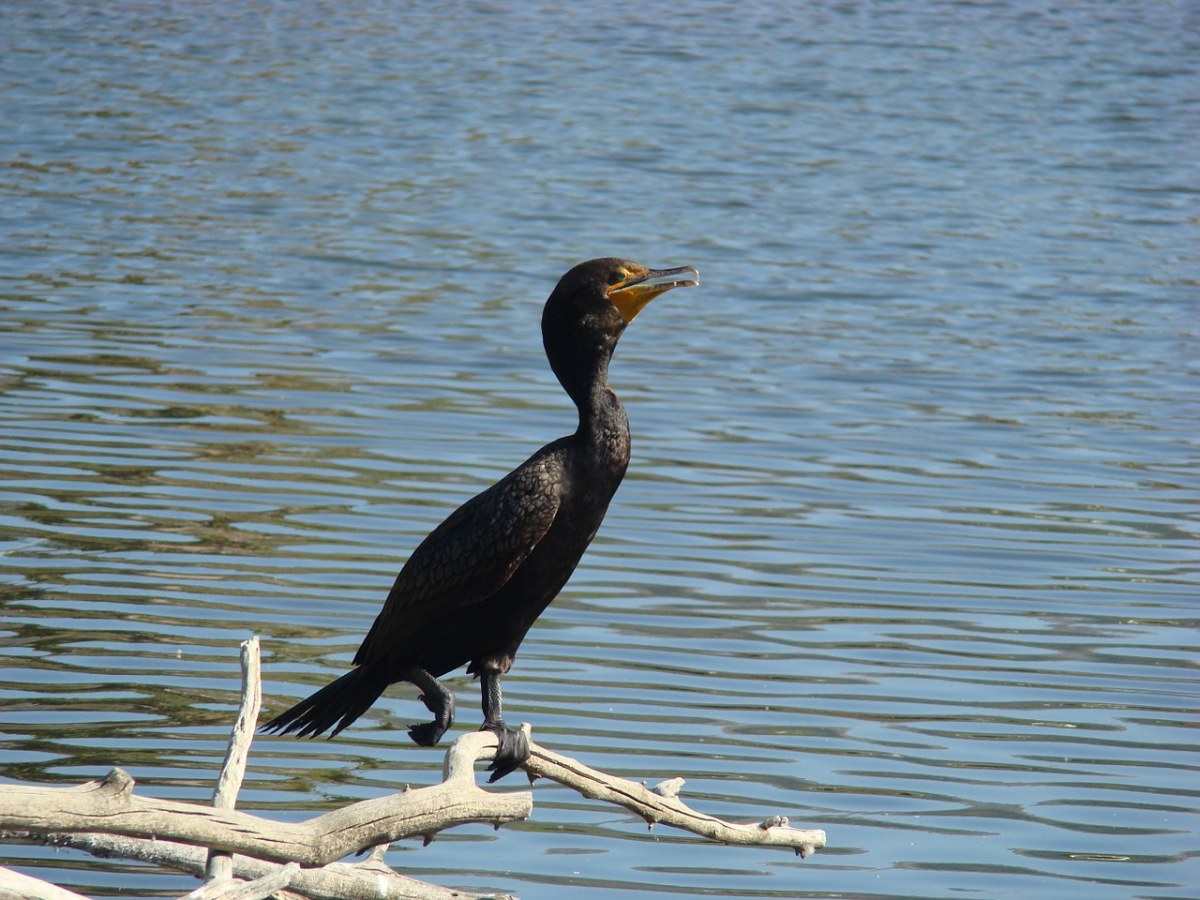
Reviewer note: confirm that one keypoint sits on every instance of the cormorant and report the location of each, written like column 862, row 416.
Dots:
column 475, row 585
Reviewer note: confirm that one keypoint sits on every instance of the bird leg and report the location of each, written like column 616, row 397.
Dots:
column 514, row 748
column 438, row 700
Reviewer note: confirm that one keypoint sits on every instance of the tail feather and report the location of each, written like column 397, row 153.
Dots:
column 334, row 706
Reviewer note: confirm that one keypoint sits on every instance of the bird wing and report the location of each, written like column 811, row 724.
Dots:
column 470, row 556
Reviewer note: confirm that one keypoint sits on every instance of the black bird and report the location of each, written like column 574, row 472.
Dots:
column 475, row 585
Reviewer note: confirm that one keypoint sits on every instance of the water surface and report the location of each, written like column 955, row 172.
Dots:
column 907, row 550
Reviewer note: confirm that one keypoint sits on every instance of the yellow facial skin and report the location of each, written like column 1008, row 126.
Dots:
column 639, row 285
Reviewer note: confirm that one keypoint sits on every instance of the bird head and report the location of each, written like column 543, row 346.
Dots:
column 606, row 294
column 589, row 309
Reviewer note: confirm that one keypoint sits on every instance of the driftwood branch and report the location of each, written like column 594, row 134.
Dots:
column 15, row 886
column 368, row 880
column 245, row 856
column 220, row 864
column 110, row 806
column 665, row 807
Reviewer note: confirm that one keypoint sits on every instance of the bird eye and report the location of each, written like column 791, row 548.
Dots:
column 618, row 276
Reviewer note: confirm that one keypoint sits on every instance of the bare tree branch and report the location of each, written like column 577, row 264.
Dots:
column 110, row 806
column 371, row 879
column 107, row 819
column 234, row 769
column 16, row 886
column 655, row 807
column 229, row 888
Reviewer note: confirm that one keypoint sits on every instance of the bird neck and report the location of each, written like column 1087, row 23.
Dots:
column 603, row 432
column 582, row 370
column 602, row 419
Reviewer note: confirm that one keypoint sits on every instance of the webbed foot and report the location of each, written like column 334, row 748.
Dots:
column 426, row 734
column 513, row 750
column 438, row 701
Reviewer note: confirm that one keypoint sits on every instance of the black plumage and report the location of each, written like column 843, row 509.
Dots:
column 471, row 590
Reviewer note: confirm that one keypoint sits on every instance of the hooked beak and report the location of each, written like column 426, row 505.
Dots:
column 631, row 295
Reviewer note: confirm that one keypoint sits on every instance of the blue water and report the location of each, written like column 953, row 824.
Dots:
column 907, row 550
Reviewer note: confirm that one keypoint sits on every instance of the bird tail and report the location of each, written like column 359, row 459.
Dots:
column 334, row 706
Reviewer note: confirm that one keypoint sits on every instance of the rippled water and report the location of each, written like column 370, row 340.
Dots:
column 907, row 550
